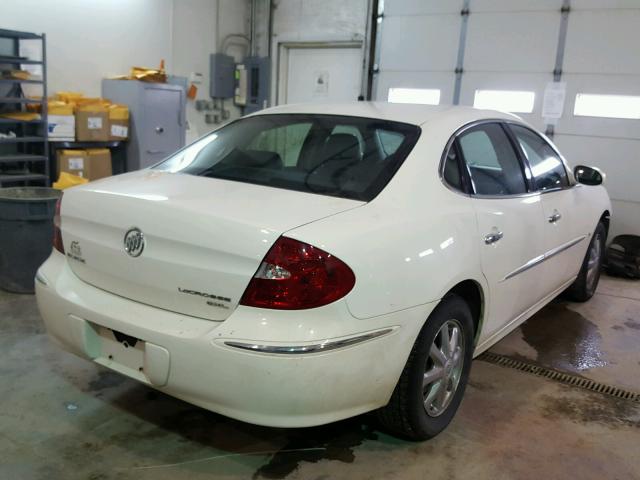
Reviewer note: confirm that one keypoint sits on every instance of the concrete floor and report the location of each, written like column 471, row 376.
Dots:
column 63, row 417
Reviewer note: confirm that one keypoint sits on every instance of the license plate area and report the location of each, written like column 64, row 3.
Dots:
column 122, row 349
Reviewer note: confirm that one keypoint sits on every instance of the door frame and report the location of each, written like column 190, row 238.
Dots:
column 282, row 61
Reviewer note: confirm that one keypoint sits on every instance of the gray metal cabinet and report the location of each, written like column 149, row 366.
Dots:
column 157, row 119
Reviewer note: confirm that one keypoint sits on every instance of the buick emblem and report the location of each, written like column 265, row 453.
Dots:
column 134, row 242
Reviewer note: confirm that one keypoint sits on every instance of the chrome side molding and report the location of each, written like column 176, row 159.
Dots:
column 305, row 349
column 546, row 256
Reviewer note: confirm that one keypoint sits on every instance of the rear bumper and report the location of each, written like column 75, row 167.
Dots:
column 200, row 362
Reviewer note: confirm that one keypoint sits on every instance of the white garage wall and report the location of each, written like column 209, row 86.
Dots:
column 196, row 32
column 91, row 40
column 87, row 41
column 512, row 45
column 193, row 39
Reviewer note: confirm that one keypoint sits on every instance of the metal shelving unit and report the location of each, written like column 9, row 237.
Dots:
column 24, row 157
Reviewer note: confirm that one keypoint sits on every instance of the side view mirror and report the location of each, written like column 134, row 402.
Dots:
column 588, row 175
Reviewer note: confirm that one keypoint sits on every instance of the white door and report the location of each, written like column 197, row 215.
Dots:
column 323, row 75
column 510, row 222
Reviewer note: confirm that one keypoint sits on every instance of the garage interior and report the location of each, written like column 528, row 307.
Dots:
column 559, row 397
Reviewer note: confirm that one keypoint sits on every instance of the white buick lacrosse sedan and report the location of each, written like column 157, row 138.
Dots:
column 311, row 263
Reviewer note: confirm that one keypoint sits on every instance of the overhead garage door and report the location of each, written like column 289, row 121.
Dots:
column 602, row 57
column 512, row 45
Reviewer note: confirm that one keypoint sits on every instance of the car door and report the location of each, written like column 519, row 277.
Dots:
column 510, row 221
column 565, row 239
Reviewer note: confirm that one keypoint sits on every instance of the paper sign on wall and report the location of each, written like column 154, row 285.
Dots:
column 553, row 101
column 321, row 82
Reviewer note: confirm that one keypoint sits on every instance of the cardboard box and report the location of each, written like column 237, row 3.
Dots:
column 99, row 163
column 72, row 161
column 62, row 127
column 92, row 124
column 118, row 122
column 92, row 164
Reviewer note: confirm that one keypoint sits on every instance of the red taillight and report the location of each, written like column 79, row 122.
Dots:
column 57, row 235
column 295, row 275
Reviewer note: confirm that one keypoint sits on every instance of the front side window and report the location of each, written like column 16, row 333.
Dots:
column 493, row 165
column 325, row 154
column 547, row 168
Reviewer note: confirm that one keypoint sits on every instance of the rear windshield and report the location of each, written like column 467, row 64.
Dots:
column 349, row 157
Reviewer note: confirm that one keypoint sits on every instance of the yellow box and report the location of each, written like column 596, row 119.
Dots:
column 92, row 104
column 118, row 112
column 118, row 122
column 57, row 107
column 69, row 97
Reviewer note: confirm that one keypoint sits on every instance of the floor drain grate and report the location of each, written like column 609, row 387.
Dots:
column 561, row 377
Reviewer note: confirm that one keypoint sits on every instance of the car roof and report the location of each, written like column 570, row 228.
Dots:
column 398, row 112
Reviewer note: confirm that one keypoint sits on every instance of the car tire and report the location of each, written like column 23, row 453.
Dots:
column 416, row 411
column 584, row 286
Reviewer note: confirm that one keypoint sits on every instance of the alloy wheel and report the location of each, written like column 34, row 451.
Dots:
column 593, row 263
column 443, row 368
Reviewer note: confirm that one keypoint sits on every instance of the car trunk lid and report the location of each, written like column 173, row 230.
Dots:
column 203, row 238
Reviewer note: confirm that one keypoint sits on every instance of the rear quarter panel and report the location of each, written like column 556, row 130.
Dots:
column 409, row 245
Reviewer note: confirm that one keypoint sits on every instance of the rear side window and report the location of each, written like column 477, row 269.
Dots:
column 492, row 162
column 547, row 168
column 452, row 174
column 324, row 154
column 285, row 141
column 389, row 141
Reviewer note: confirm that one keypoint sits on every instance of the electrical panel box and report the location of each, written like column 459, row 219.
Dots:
column 240, row 97
column 252, row 84
column 222, row 69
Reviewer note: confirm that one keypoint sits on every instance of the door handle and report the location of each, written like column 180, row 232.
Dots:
column 493, row 237
column 159, row 130
column 554, row 217
column 154, row 152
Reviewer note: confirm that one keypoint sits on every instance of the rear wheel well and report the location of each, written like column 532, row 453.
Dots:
column 471, row 292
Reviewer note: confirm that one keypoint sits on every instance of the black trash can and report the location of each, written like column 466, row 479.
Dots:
column 26, row 232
